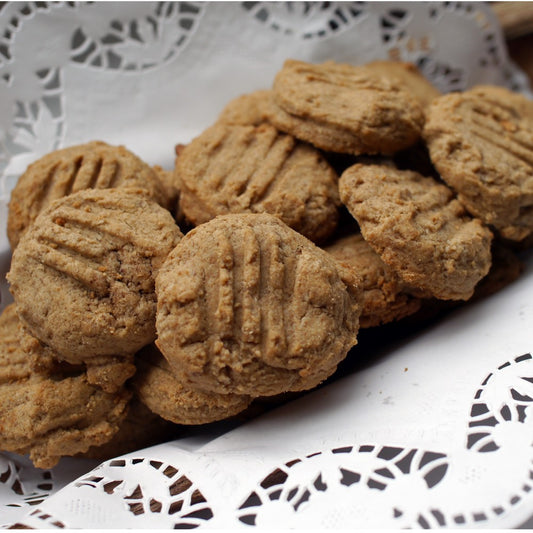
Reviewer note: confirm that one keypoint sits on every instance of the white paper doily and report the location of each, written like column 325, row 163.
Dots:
column 432, row 429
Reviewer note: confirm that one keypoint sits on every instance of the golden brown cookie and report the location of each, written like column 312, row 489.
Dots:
column 506, row 267
column 481, row 142
column 248, row 306
column 108, row 373
column 14, row 362
column 418, row 229
column 342, row 108
column 246, row 110
column 163, row 393
column 408, row 76
column 523, row 105
column 172, row 191
column 83, row 277
column 384, row 297
column 246, row 169
column 141, row 428
column 50, row 415
column 94, row 165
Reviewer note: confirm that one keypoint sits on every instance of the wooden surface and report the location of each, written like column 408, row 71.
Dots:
column 516, row 19
column 521, row 52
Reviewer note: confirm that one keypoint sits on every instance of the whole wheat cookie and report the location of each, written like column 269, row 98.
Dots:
column 141, row 428
column 408, row 76
column 505, row 268
column 83, row 277
column 343, row 108
column 94, row 165
column 109, row 373
column 247, row 109
column 14, row 362
column 418, row 229
column 481, row 142
column 172, row 190
column 50, row 415
column 520, row 103
column 163, row 393
column 248, row 306
column 384, row 296
column 246, row 169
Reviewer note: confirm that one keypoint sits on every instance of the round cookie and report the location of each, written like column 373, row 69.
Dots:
column 248, row 306
column 246, row 110
column 418, row 229
column 343, row 108
column 163, row 393
column 94, row 165
column 14, row 362
column 108, row 373
column 407, row 75
column 522, row 104
column 141, row 428
column 83, row 277
column 481, row 142
column 384, row 297
column 172, row 191
column 54, row 414
column 246, row 169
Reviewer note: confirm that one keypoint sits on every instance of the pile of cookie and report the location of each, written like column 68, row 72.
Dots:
column 344, row 197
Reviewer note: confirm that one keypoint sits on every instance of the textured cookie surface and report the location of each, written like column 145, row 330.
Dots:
column 408, row 75
column 163, row 393
column 246, row 110
column 83, row 274
column 342, row 108
column 246, row 169
column 521, row 104
column 14, row 362
column 481, row 142
column 141, row 428
column 94, row 165
column 384, row 297
column 50, row 415
column 248, row 306
column 418, row 229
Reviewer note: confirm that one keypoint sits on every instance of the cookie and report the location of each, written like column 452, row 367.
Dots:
column 408, row 76
column 418, row 229
column 109, row 373
column 505, row 268
column 50, row 415
column 523, row 105
column 172, row 191
column 14, row 362
column 83, row 277
column 157, row 387
column 343, row 108
column 246, row 305
column 481, row 142
column 246, row 110
column 246, row 169
column 141, row 428
column 94, row 165
column 384, row 297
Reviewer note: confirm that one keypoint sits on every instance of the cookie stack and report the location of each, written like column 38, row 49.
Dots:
column 342, row 197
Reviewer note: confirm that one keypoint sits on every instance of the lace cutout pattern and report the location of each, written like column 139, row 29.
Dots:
column 21, row 486
column 165, row 496
column 369, row 477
